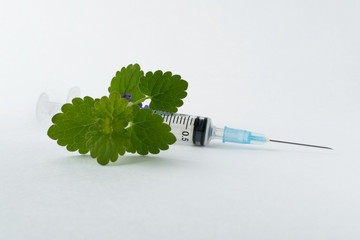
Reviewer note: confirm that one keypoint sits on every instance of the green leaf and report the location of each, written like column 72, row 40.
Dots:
column 164, row 89
column 107, row 138
column 127, row 81
column 71, row 126
column 148, row 133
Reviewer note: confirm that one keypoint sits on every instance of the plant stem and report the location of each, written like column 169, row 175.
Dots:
column 141, row 100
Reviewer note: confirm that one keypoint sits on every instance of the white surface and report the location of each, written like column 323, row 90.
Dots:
column 289, row 69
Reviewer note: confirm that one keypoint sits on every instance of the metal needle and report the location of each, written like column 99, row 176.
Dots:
column 301, row 144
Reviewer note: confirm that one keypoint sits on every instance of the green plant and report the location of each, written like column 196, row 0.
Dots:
column 115, row 124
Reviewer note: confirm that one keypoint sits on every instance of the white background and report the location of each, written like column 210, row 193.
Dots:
column 289, row 69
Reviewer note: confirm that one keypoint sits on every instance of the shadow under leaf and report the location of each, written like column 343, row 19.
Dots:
column 122, row 160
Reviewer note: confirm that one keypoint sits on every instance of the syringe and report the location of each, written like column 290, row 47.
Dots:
column 195, row 130
column 188, row 129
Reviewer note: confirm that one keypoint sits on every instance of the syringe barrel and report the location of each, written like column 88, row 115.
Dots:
column 188, row 129
column 195, row 130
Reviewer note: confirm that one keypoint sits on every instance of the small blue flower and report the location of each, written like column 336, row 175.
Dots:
column 127, row 96
column 141, row 106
